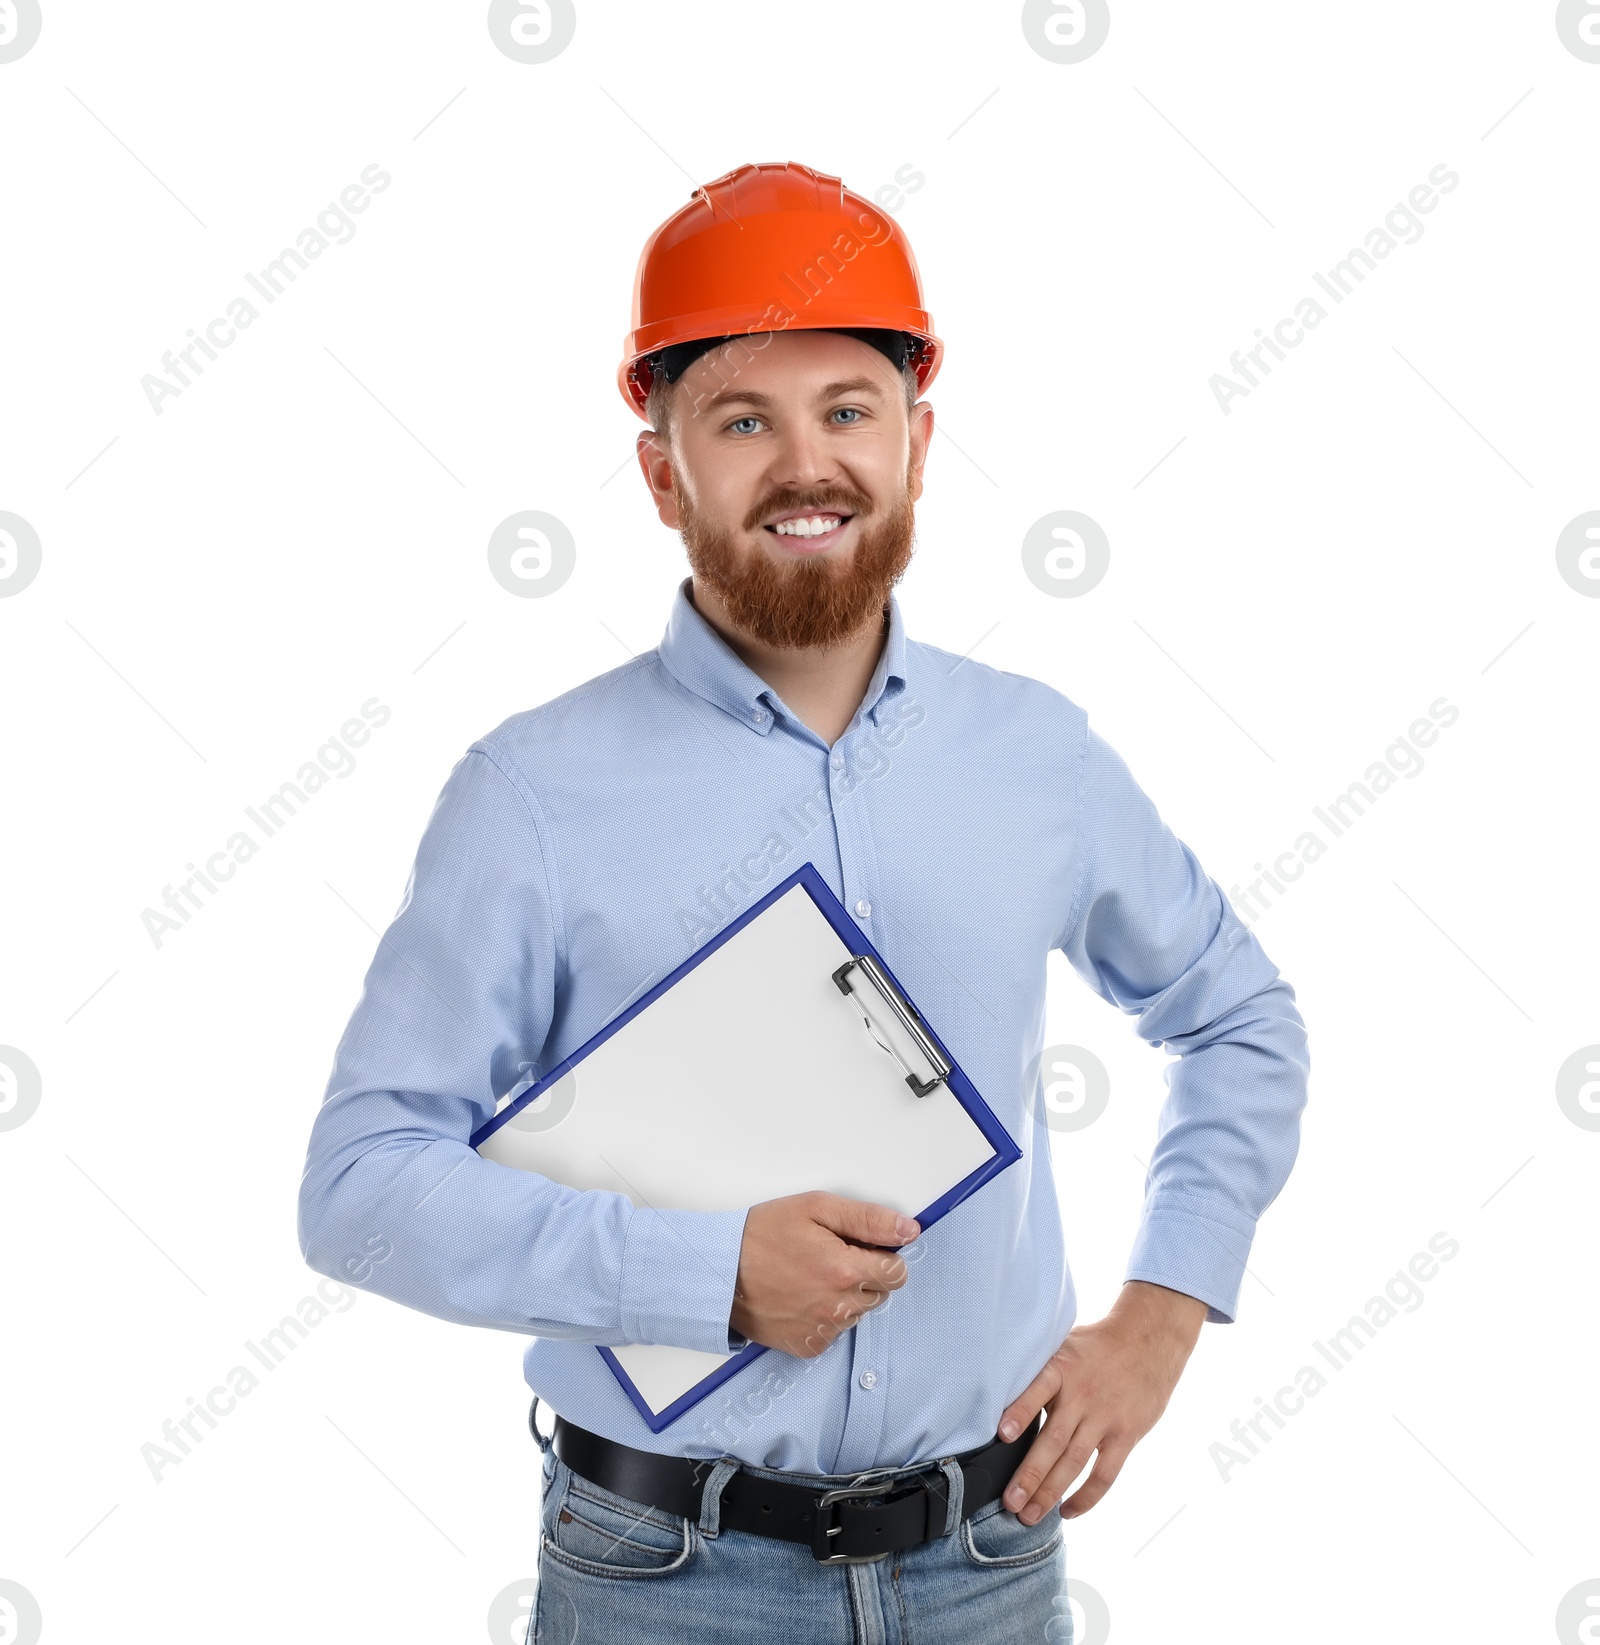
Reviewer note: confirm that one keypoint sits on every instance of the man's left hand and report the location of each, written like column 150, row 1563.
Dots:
column 1103, row 1390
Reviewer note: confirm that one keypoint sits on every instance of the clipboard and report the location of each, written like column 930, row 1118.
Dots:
column 783, row 1055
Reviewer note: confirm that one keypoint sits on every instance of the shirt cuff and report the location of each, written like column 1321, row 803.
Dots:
column 1199, row 1252
column 678, row 1275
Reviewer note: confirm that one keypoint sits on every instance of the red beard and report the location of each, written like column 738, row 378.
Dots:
column 808, row 601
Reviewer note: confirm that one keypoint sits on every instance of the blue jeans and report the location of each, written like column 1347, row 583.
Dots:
column 614, row 1572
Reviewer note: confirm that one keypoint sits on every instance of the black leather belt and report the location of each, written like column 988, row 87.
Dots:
column 847, row 1524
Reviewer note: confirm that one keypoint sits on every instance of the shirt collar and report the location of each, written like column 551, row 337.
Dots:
column 698, row 657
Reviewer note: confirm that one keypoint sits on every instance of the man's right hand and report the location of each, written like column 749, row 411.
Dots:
column 810, row 1266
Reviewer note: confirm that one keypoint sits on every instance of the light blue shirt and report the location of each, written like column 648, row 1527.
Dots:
column 972, row 821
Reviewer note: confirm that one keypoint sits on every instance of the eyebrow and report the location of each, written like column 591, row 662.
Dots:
column 829, row 391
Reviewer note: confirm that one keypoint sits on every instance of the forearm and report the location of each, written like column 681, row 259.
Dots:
column 455, row 1011
column 1228, row 1135
column 478, row 1243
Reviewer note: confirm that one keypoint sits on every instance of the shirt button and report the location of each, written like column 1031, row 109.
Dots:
column 759, row 715
column 837, row 762
column 869, row 1379
column 863, row 907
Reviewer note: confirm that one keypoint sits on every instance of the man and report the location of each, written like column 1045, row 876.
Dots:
column 971, row 821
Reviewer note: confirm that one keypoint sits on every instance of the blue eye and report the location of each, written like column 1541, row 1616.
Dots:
column 848, row 410
column 733, row 426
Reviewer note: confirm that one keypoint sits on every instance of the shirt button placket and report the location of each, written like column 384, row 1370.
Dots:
column 846, row 819
column 865, row 1407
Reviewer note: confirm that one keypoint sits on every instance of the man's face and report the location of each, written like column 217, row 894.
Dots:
column 790, row 426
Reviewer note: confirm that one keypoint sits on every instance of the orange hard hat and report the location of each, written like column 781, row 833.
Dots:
column 775, row 247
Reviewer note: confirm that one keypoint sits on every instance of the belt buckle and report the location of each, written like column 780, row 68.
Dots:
column 821, row 1530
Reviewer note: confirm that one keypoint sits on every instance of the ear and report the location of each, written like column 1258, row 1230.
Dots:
column 921, row 432
column 655, row 464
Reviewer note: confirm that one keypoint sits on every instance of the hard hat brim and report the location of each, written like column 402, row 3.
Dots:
column 633, row 376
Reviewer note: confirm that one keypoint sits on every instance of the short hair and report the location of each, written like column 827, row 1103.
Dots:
column 658, row 400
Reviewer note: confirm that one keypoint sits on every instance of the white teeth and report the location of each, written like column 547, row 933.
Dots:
column 816, row 526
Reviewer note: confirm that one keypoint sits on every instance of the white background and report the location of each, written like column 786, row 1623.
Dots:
column 1290, row 586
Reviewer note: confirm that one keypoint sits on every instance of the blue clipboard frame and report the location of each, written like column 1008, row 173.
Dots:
column 1006, row 1150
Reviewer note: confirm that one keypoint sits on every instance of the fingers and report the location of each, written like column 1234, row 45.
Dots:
column 1054, row 1460
column 855, row 1298
column 1113, row 1453
column 817, row 1340
column 1032, row 1400
column 825, row 1331
column 1073, row 1460
column 863, row 1220
column 812, row 1263
column 883, row 1271
column 853, row 1242
column 854, row 1270
column 868, row 1271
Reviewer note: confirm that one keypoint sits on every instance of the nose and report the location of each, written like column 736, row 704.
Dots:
column 803, row 460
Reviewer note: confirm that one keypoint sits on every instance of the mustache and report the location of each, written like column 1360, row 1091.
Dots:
column 823, row 501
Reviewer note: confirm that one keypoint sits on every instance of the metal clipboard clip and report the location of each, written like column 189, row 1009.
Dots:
column 900, row 1012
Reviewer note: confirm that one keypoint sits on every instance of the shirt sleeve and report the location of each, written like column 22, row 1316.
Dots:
column 454, row 1013
column 1152, row 934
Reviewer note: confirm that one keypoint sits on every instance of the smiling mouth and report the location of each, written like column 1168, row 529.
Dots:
column 810, row 530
